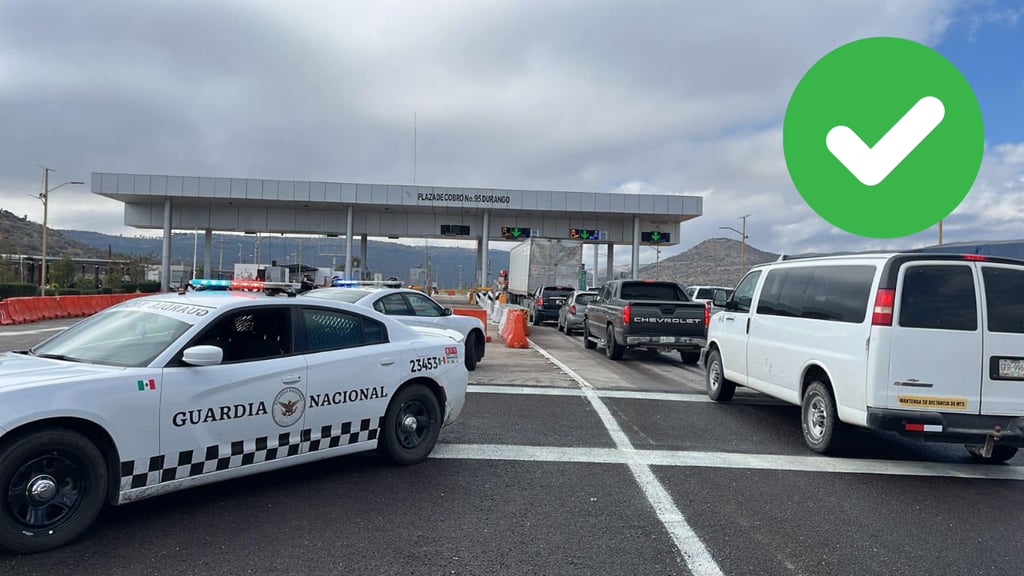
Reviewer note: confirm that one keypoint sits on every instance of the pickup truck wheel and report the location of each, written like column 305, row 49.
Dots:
column 719, row 389
column 612, row 349
column 587, row 342
column 689, row 356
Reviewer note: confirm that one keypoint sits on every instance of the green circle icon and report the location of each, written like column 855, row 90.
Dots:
column 883, row 137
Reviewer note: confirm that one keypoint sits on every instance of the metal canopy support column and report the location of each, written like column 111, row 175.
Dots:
column 484, row 246
column 635, row 273
column 597, row 248
column 362, row 255
column 609, row 262
column 165, row 257
column 479, row 252
column 348, row 244
column 208, row 254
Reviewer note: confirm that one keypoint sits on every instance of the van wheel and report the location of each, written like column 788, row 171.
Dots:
column 613, row 349
column 719, row 389
column 819, row 420
column 1000, row 454
column 53, row 484
column 587, row 342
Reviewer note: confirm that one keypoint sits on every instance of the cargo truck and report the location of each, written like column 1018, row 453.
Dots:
column 544, row 268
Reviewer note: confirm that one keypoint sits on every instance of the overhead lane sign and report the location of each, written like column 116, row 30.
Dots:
column 656, row 237
column 514, row 232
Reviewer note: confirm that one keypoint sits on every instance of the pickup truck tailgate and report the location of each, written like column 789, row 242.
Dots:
column 666, row 318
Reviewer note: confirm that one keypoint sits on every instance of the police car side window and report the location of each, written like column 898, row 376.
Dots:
column 332, row 330
column 393, row 304
column 423, row 306
column 251, row 334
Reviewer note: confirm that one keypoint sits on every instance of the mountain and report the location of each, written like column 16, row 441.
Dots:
column 19, row 235
column 714, row 262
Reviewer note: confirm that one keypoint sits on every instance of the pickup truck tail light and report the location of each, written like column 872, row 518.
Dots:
column 884, row 300
column 707, row 313
column 572, row 309
column 625, row 314
column 540, row 302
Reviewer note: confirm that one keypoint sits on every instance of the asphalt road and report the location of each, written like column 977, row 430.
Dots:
column 633, row 471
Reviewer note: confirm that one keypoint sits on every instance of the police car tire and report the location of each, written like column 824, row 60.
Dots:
column 411, row 398
column 471, row 351
column 19, row 539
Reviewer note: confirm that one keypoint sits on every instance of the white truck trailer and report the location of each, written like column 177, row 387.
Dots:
column 540, row 262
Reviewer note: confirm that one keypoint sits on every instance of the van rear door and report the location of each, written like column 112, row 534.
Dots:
column 1002, row 387
column 936, row 348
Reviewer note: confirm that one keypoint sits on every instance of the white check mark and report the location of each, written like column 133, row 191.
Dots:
column 872, row 165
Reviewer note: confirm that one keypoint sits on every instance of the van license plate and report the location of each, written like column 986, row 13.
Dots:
column 1011, row 368
column 668, row 339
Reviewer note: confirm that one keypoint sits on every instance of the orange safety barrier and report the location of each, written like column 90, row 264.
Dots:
column 22, row 310
column 514, row 331
column 477, row 313
column 74, row 304
column 5, row 316
column 60, row 305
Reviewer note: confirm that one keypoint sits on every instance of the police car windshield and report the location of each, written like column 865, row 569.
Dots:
column 128, row 338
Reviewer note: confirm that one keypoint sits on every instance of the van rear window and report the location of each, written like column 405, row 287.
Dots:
column 1004, row 293
column 939, row 297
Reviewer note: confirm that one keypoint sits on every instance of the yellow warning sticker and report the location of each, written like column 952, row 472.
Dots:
column 932, row 402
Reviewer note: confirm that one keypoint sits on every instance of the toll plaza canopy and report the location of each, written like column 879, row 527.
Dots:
column 394, row 211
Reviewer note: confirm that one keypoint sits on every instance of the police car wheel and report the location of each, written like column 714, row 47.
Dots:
column 411, row 425
column 471, row 351
column 53, row 486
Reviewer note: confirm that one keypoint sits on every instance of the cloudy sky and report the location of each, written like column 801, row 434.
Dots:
column 672, row 97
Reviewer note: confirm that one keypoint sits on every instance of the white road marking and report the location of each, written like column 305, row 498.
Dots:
column 627, row 394
column 696, row 459
column 36, row 331
column 697, row 557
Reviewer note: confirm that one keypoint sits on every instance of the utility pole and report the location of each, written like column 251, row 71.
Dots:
column 45, row 197
column 743, row 245
column 940, row 232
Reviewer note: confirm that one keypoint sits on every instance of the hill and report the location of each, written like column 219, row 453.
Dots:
column 19, row 235
column 715, row 261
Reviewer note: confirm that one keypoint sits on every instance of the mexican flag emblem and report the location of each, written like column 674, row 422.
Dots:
column 147, row 385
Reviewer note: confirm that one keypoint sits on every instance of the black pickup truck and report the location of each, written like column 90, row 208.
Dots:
column 653, row 315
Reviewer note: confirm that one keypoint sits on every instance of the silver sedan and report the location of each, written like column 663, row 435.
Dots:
column 570, row 315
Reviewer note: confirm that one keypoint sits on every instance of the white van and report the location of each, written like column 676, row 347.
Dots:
column 930, row 346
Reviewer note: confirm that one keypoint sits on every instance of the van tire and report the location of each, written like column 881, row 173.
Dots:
column 1000, row 454
column 819, row 419
column 719, row 389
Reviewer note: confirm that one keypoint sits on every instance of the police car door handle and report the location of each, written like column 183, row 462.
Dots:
column 387, row 361
column 291, row 379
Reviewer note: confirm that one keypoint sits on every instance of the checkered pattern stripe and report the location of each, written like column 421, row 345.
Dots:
column 192, row 463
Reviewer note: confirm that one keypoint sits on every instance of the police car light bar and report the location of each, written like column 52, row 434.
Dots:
column 339, row 283
column 250, row 285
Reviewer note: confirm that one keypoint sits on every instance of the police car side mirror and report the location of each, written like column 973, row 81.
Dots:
column 446, row 312
column 203, row 355
column 719, row 299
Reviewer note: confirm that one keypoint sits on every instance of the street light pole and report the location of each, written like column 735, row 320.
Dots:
column 743, row 244
column 45, row 196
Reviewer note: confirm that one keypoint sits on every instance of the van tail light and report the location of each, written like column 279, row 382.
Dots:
column 540, row 302
column 572, row 309
column 707, row 312
column 884, row 300
column 625, row 314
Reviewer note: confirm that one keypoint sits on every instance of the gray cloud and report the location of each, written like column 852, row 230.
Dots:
column 672, row 97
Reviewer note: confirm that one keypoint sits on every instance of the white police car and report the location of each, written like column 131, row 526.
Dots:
column 170, row 391
column 414, row 308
